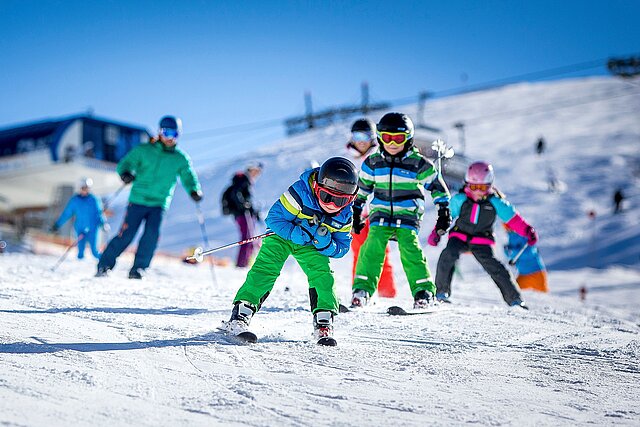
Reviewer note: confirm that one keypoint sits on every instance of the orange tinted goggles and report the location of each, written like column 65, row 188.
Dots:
column 479, row 187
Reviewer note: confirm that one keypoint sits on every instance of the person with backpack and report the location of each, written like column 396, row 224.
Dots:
column 396, row 178
column 476, row 207
column 236, row 201
column 311, row 221
column 361, row 144
column 89, row 218
column 153, row 169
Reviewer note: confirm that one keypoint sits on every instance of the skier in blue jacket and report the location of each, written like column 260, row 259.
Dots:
column 312, row 222
column 89, row 218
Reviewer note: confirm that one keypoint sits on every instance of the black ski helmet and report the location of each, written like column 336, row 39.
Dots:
column 171, row 122
column 363, row 125
column 397, row 122
column 338, row 174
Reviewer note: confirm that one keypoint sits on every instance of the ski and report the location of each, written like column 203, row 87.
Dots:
column 248, row 337
column 241, row 337
column 371, row 308
column 399, row 311
column 328, row 341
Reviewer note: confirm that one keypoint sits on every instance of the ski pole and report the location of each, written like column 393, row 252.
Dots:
column 515, row 259
column 112, row 198
column 205, row 240
column 199, row 253
column 66, row 252
column 443, row 152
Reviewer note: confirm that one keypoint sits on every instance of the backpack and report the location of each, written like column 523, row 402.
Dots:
column 227, row 200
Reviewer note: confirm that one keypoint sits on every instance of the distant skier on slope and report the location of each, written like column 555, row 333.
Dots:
column 396, row 176
column 312, row 222
column 89, row 218
column 532, row 273
column 361, row 144
column 237, row 201
column 476, row 208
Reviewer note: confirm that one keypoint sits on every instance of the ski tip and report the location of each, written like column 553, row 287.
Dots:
column 343, row 309
column 248, row 337
column 396, row 311
column 328, row 341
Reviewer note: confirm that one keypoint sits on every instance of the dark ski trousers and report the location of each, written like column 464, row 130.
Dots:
column 152, row 216
column 487, row 259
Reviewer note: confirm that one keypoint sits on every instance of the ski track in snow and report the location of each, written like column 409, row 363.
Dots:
column 78, row 350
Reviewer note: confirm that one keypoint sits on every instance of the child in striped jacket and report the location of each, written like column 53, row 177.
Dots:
column 397, row 177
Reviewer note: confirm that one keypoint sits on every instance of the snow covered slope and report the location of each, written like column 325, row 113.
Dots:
column 79, row 350
column 593, row 147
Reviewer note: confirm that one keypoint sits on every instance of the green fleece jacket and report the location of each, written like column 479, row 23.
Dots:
column 156, row 168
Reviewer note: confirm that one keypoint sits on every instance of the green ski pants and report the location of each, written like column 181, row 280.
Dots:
column 371, row 259
column 263, row 274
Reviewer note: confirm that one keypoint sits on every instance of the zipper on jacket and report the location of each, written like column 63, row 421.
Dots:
column 391, row 190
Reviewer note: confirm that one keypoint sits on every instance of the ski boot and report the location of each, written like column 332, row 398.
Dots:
column 238, row 325
column 323, row 328
column 360, row 298
column 443, row 297
column 136, row 273
column 518, row 303
column 423, row 299
column 102, row 272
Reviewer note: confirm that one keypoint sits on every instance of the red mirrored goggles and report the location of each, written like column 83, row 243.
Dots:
column 328, row 197
column 479, row 187
column 395, row 138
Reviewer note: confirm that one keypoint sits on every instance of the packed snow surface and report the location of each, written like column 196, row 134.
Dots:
column 79, row 350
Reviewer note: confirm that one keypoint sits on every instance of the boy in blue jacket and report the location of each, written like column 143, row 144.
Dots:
column 89, row 218
column 312, row 222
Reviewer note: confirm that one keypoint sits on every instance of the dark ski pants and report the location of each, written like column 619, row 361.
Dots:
column 152, row 216
column 487, row 259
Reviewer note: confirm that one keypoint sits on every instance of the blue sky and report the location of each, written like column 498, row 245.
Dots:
column 218, row 64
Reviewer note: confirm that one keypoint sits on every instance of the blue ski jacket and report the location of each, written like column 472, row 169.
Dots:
column 530, row 260
column 289, row 217
column 87, row 211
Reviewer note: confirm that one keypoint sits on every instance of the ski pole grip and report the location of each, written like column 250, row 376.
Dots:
column 322, row 231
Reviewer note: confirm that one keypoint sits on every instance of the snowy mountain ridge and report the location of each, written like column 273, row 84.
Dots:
column 592, row 139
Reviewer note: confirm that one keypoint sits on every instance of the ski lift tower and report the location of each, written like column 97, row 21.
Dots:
column 461, row 137
column 624, row 67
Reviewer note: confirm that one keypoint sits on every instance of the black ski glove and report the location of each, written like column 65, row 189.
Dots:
column 127, row 177
column 358, row 221
column 196, row 195
column 444, row 219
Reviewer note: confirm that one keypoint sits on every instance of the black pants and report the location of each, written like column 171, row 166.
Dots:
column 152, row 216
column 487, row 259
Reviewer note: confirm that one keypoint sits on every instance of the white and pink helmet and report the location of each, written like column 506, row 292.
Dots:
column 479, row 173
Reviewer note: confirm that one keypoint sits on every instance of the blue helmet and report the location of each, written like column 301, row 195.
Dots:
column 171, row 123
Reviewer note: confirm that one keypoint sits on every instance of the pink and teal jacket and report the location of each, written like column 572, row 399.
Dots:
column 475, row 219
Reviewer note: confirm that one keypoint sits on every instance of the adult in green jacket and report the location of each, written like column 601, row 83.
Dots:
column 153, row 169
